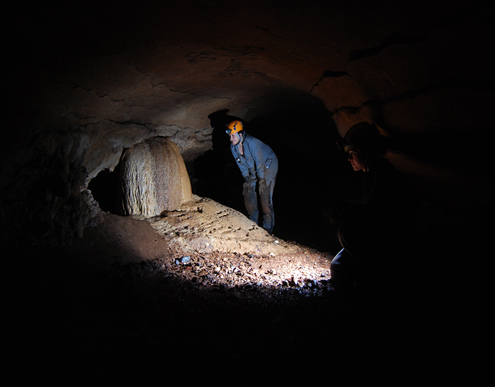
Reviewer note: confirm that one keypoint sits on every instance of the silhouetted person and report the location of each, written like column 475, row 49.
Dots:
column 258, row 165
column 377, row 232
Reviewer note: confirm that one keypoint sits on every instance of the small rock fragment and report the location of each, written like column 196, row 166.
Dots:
column 183, row 260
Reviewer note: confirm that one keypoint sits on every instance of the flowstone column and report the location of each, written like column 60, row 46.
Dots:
column 153, row 178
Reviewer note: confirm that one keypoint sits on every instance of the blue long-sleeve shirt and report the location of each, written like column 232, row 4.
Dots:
column 257, row 158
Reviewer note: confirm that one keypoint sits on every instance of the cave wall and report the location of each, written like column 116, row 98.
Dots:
column 88, row 80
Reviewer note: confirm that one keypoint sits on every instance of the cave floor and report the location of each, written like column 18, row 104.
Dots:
column 98, row 311
column 143, row 320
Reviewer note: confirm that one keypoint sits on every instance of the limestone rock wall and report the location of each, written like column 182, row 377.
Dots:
column 153, row 178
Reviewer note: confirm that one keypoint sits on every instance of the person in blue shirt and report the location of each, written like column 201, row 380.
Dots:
column 258, row 165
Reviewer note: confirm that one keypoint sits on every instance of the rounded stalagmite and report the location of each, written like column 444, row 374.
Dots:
column 153, row 178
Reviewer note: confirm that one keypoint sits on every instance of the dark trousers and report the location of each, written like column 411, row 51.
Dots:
column 376, row 258
column 265, row 196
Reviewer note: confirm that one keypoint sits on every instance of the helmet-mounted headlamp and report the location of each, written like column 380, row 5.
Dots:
column 234, row 127
column 364, row 138
column 344, row 146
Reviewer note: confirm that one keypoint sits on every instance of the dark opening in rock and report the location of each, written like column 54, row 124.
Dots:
column 105, row 190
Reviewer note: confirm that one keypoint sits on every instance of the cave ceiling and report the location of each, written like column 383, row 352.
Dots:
column 119, row 71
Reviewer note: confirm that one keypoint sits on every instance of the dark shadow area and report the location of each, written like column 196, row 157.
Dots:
column 105, row 190
column 214, row 173
column 453, row 150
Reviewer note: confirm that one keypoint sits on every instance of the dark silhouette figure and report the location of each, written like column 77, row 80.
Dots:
column 377, row 231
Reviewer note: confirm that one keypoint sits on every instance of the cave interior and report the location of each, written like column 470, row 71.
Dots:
column 86, row 81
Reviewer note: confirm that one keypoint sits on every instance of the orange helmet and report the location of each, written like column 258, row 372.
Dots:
column 234, row 127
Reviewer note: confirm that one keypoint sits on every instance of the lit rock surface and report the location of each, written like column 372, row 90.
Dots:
column 206, row 243
column 154, row 178
column 205, row 225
